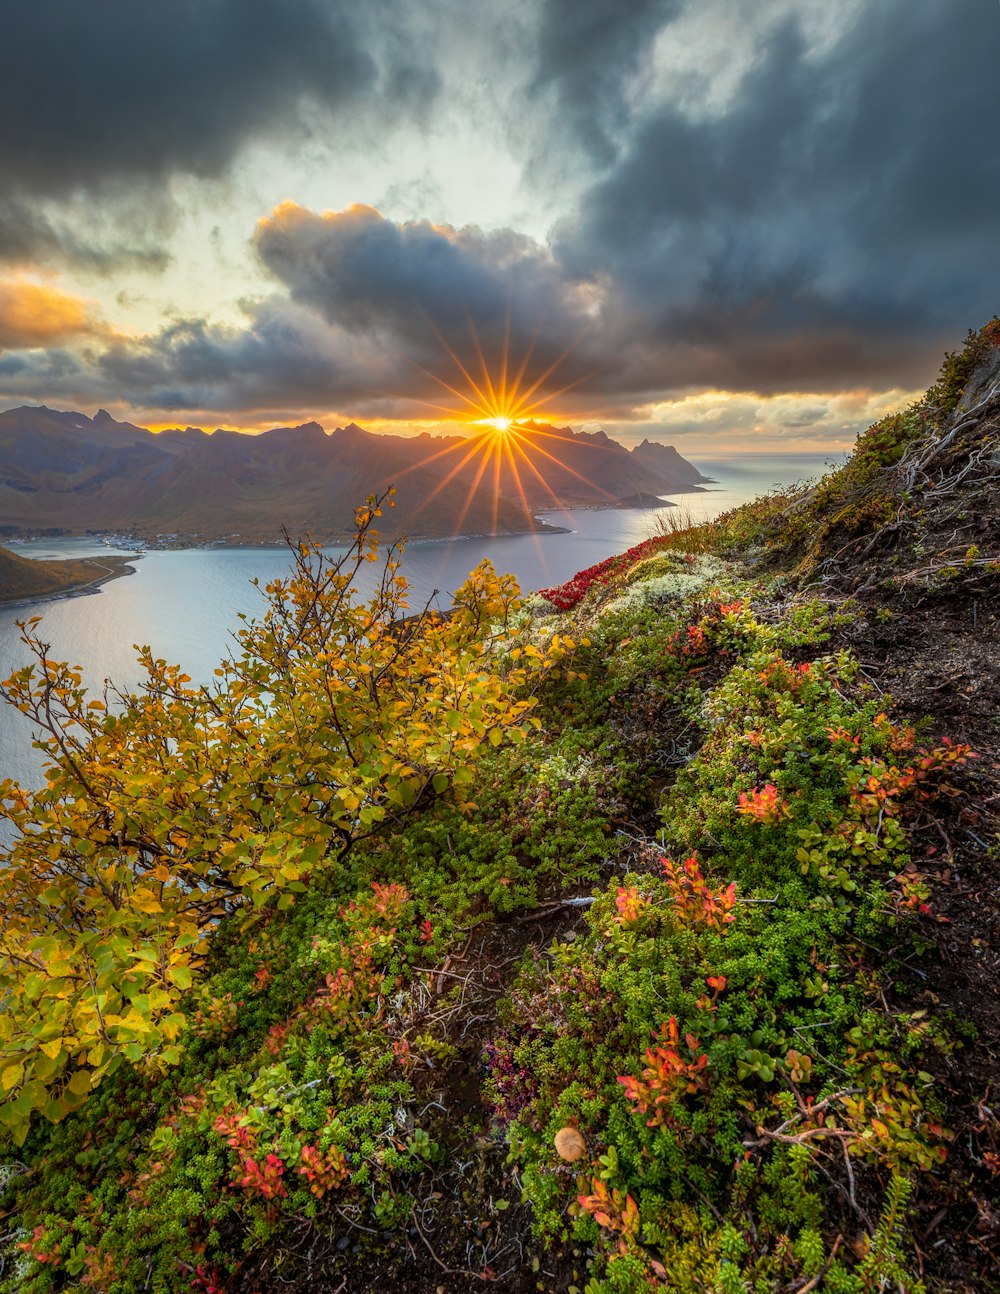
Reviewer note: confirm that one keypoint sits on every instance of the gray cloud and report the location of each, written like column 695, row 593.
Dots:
column 588, row 53
column 370, row 309
column 103, row 240
column 831, row 225
column 413, row 288
column 839, row 210
column 826, row 223
column 103, row 98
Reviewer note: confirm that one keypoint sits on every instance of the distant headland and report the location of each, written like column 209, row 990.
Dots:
column 23, row 580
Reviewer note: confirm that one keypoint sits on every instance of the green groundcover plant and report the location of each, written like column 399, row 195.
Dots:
column 719, row 1037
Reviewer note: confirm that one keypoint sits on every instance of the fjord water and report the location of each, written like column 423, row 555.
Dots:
column 186, row 604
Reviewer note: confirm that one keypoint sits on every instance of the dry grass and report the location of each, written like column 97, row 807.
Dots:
column 672, row 521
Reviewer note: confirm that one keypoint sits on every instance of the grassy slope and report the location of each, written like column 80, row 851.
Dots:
column 21, row 578
column 839, row 1132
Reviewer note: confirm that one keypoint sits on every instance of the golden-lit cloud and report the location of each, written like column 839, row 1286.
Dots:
column 33, row 315
column 746, row 420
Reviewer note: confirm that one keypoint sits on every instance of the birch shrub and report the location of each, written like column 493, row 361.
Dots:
column 169, row 808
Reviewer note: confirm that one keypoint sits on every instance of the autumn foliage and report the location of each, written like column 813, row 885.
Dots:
column 169, row 808
column 668, row 1073
column 564, row 597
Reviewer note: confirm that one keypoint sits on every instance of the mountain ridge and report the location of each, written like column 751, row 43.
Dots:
column 63, row 470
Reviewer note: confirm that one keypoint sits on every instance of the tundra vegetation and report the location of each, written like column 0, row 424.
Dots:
column 609, row 940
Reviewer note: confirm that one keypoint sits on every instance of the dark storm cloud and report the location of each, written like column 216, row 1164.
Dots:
column 588, row 52
column 840, row 210
column 412, row 281
column 284, row 357
column 370, row 309
column 832, row 225
column 829, row 225
column 101, row 97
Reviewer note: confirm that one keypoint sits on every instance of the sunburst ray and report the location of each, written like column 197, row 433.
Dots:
column 499, row 402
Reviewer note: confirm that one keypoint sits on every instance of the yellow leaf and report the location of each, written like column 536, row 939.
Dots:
column 146, row 901
column 11, row 1075
column 80, row 1082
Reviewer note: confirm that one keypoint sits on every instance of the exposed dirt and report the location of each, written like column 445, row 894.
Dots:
column 942, row 663
column 928, row 587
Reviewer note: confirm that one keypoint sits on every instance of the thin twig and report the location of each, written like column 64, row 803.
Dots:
column 850, row 1175
column 448, row 1271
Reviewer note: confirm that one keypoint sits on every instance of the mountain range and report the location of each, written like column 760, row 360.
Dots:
column 64, row 472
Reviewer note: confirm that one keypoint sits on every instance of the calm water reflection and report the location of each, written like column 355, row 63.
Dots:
column 186, row 605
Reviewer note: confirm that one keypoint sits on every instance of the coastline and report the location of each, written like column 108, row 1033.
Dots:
column 195, row 544
column 110, row 568
column 180, row 543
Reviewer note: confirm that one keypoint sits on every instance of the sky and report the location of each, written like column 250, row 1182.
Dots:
column 748, row 225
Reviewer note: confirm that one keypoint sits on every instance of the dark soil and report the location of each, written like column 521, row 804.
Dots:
column 942, row 664
column 929, row 637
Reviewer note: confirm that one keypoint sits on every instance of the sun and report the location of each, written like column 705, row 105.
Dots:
column 499, row 423
column 501, row 397
column 499, row 404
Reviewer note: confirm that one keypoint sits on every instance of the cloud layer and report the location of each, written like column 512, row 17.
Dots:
column 784, row 198
column 117, row 98
column 33, row 315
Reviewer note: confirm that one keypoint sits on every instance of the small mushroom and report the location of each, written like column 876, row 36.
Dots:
column 570, row 1144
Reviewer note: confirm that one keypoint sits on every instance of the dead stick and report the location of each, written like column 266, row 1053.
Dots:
column 448, row 1271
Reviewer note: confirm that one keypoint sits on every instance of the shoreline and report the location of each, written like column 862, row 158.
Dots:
column 217, row 546
column 197, row 544
column 117, row 568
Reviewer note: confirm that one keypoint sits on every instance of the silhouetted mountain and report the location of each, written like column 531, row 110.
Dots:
column 557, row 466
column 665, row 459
column 76, row 473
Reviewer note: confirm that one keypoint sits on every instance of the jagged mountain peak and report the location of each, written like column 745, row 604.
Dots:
column 100, row 474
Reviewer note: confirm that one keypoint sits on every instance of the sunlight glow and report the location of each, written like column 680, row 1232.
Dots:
column 501, row 402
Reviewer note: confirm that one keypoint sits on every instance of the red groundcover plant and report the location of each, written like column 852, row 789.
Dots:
column 564, row 597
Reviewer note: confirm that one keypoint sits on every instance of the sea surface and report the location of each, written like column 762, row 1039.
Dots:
column 186, row 604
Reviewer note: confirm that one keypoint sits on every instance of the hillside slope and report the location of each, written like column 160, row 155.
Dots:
column 694, row 988
column 23, row 580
